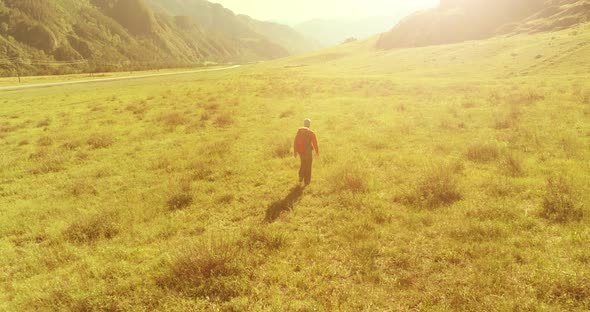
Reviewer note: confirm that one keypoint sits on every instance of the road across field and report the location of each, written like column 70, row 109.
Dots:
column 56, row 84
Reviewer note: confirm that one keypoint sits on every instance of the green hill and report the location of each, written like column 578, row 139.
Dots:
column 460, row 20
column 555, row 15
column 106, row 35
column 515, row 56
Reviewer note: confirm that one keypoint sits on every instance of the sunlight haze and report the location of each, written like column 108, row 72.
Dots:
column 283, row 155
column 298, row 11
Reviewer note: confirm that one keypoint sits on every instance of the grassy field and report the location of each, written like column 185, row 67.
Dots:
column 451, row 178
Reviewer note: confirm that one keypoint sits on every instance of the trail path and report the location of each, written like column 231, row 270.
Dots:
column 56, row 84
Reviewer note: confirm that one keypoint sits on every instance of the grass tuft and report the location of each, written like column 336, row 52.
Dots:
column 468, row 104
column 281, row 148
column 93, row 228
column 527, row 97
column 211, row 272
column 44, row 123
column 573, row 288
column 179, row 201
column 181, row 197
column 211, row 107
column 205, row 116
column 71, row 145
column 82, row 187
column 438, row 187
column 483, row 152
column 286, row 114
column 173, row 119
column 561, row 203
column 137, row 109
column 570, row 145
column 224, row 120
column 225, row 199
column 263, row 237
column 100, row 140
column 513, row 165
column 47, row 161
column 45, row 141
column 507, row 120
column 351, row 177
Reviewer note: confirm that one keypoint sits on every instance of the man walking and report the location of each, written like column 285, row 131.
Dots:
column 305, row 143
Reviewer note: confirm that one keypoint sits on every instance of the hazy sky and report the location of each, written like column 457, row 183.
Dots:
column 302, row 10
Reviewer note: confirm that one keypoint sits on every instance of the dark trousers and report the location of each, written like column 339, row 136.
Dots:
column 305, row 169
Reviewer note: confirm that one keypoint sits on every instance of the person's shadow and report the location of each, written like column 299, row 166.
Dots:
column 275, row 209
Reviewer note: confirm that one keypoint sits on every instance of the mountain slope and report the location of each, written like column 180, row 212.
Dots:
column 460, row 20
column 284, row 35
column 61, row 36
column 520, row 55
column 555, row 15
column 215, row 18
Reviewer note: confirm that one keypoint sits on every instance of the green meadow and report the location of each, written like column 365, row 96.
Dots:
column 451, row 178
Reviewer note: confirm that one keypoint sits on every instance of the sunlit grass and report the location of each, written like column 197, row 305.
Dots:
column 456, row 189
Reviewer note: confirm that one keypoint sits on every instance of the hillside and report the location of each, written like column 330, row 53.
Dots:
column 555, row 15
column 215, row 18
column 451, row 178
column 104, row 35
column 292, row 40
column 502, row 57
column 460, row 20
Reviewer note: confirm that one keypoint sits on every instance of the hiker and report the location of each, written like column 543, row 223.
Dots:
column 305, row 143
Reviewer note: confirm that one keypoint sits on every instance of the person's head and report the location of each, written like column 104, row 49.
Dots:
column 307, row 123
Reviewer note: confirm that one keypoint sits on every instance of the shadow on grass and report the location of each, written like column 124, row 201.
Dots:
column 286, row 204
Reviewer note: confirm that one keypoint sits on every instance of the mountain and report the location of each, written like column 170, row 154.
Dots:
column 110, row 35
column 331, row 32
column 556, row 15
column 215, row 18
column 461, row 20
column 292, row 40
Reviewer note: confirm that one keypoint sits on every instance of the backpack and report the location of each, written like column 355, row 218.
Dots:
column 307, row 142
